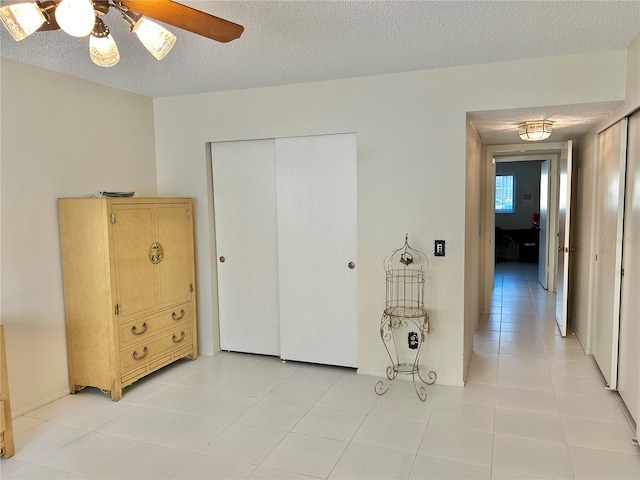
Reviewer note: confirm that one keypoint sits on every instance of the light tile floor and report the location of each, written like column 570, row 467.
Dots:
column 534, row 407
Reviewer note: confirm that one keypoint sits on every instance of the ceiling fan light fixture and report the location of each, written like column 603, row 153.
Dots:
column 22, row 19
column 536, row 130
column 76, row 17
column 102, row 48
column 155, row 38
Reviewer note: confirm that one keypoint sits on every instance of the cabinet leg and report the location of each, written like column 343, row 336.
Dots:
column 75, row 388
column 116, row 394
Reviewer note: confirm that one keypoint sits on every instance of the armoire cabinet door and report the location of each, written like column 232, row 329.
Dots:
column 142, row 285
column 174, row 271
column 135, row 274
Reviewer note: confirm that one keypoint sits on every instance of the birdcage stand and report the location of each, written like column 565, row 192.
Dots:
column 412, row 327
column 404, row 325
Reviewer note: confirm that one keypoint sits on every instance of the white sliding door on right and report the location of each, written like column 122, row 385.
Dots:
column 629, row 361
column 317, row 235
column 608, row 261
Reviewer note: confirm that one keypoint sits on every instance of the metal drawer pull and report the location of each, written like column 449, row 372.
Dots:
column 178, row 340
column 135, row 356
column 135, row 331
column 175, row 317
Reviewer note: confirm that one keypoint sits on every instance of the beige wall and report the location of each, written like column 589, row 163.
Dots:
column 61, row 136
column 412, row 169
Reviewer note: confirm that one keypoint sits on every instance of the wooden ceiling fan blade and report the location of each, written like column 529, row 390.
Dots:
column 187, row 18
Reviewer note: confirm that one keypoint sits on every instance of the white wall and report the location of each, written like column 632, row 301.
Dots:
column 61, row 136
column 472, row 254
column 412, row 168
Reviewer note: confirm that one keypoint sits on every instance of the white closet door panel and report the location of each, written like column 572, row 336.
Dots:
column 317, row 232
column 609, row 209
column 629, row 361
column 244, row 190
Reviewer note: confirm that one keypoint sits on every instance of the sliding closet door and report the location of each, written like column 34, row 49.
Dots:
column 244, row 190
column 629, row 362
column 608, row 265
column 317, row 227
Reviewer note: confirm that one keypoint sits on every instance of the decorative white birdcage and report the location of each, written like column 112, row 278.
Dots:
column 405, row 320
column 405, row 269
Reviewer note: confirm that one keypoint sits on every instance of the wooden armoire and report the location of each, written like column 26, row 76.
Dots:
column 129, row 288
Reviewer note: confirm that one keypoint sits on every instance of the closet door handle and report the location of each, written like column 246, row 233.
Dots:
column 222, row 259
column 352, row 265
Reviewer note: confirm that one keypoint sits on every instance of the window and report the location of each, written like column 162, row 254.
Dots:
column 505, row 193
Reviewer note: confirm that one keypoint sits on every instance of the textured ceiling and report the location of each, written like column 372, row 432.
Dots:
column 500, row 127
column 288, row 42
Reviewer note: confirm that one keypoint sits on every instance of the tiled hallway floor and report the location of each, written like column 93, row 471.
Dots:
column 534, row 407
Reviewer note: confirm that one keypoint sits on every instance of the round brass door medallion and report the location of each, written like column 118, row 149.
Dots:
column 156, row 253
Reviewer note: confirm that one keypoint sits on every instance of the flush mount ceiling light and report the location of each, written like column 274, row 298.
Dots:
column 81, row 18
column 535, row 130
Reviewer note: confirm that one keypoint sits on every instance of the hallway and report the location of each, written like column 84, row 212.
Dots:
column 534, row 407
column 552, row 413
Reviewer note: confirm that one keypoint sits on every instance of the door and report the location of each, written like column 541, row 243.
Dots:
column 608, row 255
column 564, row 244
column 135, row 274
column 173, row 233
column 629, row 360
column 317, row 232
column 246, row 225
column 543, row 229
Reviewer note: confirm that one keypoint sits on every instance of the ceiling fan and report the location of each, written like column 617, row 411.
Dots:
column 81, row 18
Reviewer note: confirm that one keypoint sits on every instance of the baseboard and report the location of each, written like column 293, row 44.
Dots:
column 40, row 403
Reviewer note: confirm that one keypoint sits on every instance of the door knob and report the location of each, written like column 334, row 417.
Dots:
column 222, row 259
column 352, row 265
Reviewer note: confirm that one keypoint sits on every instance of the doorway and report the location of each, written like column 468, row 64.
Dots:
column 517, row 212
column 514, row 155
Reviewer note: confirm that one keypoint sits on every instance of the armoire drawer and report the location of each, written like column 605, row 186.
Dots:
column 163, row 344
column 145, row 327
